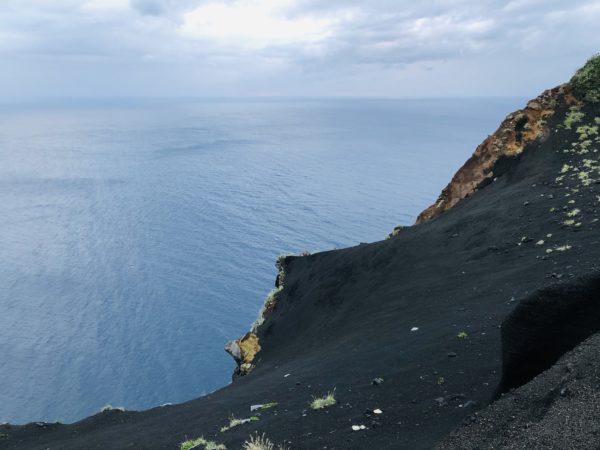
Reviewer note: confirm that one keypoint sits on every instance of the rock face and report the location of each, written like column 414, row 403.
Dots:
column 243, row 351
column 519, row 129
column 516, row 131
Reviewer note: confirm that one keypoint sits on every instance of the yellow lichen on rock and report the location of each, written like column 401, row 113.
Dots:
column 250, row 346
column 244, row 351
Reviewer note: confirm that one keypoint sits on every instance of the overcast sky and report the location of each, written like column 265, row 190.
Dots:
column 389, row 48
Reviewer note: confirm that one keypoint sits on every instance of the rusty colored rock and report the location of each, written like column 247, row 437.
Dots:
column 516, row 131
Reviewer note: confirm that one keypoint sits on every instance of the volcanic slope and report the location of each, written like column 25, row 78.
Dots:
column 421, row 312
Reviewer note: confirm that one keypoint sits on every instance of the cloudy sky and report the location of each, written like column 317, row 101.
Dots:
column 75, row 48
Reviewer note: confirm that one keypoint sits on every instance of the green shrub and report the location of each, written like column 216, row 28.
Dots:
column 573, row 116
column 586, row 81
column 323, row 402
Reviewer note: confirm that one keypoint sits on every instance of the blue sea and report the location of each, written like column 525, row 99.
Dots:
column 138, row 236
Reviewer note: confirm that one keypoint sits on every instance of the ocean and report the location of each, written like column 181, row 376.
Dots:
column 138, row 236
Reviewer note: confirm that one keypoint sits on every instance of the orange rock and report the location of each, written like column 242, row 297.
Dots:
column 514, row 134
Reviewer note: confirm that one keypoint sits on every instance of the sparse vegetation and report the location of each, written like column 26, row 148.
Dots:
column 268, row 304
column 323, row 402
column 573, row 116
column 586, row 81
column 196, row 443
column 111, row 408
column 234, row 422
column 462, row 335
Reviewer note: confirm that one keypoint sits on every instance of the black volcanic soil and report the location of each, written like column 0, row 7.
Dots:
column 345, row 317
column 559, row 409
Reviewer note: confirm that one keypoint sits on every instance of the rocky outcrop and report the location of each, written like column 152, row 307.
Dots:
column 514, row 134
column 517, row 131
column 243, row 351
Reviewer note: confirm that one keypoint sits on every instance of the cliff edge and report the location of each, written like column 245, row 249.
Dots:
column 475, row 328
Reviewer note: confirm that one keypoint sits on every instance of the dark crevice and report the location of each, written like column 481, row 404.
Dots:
column 546, row 325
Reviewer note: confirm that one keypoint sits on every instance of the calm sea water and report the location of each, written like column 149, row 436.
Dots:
column 137, row 237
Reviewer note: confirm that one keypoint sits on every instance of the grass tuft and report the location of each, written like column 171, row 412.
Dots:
column 261, row 442
column 234, row 422
column 323, row 402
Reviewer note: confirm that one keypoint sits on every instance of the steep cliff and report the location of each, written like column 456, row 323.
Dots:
column 518, row 130
column 404, row 340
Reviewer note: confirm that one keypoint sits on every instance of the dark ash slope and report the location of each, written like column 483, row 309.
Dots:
column 345, row 317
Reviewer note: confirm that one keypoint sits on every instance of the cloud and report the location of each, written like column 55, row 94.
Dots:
column 269, row 42
column 255, row 25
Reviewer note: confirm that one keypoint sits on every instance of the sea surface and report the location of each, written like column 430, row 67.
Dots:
column 137, row 237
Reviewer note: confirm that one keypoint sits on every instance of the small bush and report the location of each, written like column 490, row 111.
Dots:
column 573, row 116
column 586, row 81
column 323, row 402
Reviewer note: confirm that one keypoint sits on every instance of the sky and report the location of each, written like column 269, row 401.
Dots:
column 365, row 48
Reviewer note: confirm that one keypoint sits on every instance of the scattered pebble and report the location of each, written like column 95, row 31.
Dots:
column 414, row 329
column 358, row 427
column 377, row 381
column 286, row 375
column 377, row 411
